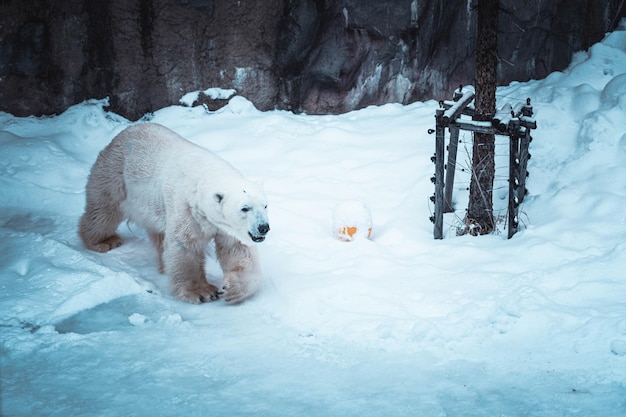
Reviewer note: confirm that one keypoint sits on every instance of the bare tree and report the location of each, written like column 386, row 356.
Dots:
column 480, row 218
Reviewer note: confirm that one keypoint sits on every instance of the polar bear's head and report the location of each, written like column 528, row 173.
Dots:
column 245, row 213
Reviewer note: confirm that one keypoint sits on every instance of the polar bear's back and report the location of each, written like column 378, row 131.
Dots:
column 152, row 150
column 150, row 143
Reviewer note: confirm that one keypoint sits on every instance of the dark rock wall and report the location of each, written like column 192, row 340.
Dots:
column 318, row 56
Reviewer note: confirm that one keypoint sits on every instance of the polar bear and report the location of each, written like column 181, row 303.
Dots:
column 184, row 196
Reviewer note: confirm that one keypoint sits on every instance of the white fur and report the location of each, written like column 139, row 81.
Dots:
column 184, row 196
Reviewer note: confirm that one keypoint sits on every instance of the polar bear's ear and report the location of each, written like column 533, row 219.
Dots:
column 218, row 197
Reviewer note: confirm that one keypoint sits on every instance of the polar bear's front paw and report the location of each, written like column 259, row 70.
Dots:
column 198, row 292
column 235, row 289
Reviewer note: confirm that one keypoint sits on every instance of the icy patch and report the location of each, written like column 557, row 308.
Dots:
column 120, row 314
column 108, row 316
column 106, row 288
column 28, row 223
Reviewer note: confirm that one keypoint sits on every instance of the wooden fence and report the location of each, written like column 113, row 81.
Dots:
column 515, row 123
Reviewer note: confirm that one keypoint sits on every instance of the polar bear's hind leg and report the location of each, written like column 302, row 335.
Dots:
column 105, row 192
column 157, row 241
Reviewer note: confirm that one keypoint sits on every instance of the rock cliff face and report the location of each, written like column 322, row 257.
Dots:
column 317, row 56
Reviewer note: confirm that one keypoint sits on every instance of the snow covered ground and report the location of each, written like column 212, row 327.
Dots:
column 400, row 324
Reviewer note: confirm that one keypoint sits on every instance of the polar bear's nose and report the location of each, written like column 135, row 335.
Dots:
column 263, row 228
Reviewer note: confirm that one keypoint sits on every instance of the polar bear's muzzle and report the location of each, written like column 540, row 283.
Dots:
column 260, row 232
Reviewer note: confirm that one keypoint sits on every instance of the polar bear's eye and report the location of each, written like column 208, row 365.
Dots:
column 245, row 209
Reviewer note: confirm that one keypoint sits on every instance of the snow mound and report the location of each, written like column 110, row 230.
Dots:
column 614, row 92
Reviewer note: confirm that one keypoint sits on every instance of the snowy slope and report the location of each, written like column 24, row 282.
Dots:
column 400, row 324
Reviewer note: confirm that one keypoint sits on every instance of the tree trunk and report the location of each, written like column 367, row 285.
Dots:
column 480, row 209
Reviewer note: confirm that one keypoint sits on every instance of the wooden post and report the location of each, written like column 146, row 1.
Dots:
column 518, row 166
column 513, row 221
column 450, row 115
column 439, row 180
column 523, row 162
column 453, row 147
column 528, row 123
